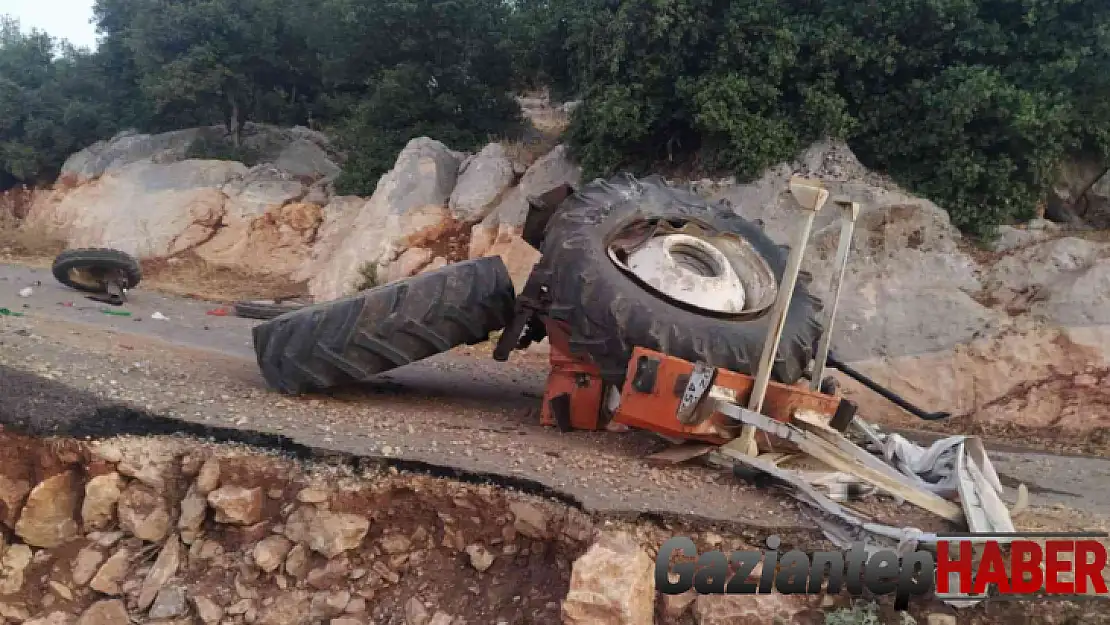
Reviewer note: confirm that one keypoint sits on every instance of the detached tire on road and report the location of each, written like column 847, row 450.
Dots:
column 264, row 310
column 93, row 262
column 352, row 339
column 609, row 313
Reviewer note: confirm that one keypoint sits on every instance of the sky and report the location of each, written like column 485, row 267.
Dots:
column 64, row 19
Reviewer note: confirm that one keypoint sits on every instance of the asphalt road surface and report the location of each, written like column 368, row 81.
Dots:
column 67, row 367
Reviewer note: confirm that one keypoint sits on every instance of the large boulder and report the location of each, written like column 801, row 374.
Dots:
column 125, row 148
column 483, row 180
column 408, row 209
column 143, row 208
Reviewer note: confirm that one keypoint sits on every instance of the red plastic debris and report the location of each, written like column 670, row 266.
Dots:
column 219, row 312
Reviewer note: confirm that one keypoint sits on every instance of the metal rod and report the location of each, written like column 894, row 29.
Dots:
column 849, row 214
column 888, row 394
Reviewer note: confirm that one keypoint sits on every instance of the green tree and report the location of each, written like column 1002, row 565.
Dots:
column 52, row 103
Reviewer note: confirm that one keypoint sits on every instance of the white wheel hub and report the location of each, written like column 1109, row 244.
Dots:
column 690, row 270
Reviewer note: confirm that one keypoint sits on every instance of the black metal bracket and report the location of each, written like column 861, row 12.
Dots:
column 890, row 395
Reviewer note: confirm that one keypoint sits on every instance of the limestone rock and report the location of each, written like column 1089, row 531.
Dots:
column 165, row 567
column 416, row 613
column 143, row 513
column 271, row 552
column 290, row 608
column 408, row 207
column 441, row 618
column 194, row 508
column 209, row 611
column 746, row 609
column 152, row 465
column 85, row 565
column 612, row 584
column 47, row 519
column 312, row 495
column 145, row 209
column 169, row 603
column 107, row 612
column 208, row 479
column 408, row 263
column 675, row 606
column 483, row 178
column 529, row 519
column 438, row 262
column 327, row 533
column 329, row 604
column 238, row 505
column 112, row 573
column 13, row 493
column 13, row 567
column 54, row 618
column 480, row 558
column 338, row 219
column 549, row 171
column 296, row 563
column 98, row 510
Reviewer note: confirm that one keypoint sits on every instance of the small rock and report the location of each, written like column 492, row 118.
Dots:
column 416, row 613
column 312, row 495
column 85, row 565
column 240, row 607
column 12, row 495
column 209, row 611
column 208, row 479
column 326, row 533
column 613, row 583
column 529, row 520
column 395, row 543
column 61, row 590
column 165, row 567
column 98, row 510
column 330, row 604
column 940, row 618
column 291, row 608
column 332, row 573
column 271, row 552
column 441, row 618
column 675, row 606
column 13, row 567
column 296, row 563
column 747, row 609
column 170, row 603
column 47, row 519
column 107, row 612
column 144, row 513
column 194, row 507
column 237, row 505
column 480, row 557
column 346, row 620
column 106, row 539
column 357, row 605
column 54, row 618
column 151, row 466
column 15, row 613
column 107, row 580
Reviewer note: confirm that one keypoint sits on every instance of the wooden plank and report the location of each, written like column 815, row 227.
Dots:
column 840, row 460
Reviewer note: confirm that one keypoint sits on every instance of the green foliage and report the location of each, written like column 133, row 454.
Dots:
column 971, row 102
column 52, row 103
column 367, row 277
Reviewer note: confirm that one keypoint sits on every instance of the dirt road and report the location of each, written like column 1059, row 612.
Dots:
column 67, row 367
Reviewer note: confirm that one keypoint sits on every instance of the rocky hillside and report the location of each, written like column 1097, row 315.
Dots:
column 1018, row 333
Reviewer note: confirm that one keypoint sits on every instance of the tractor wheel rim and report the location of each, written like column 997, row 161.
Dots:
column 690, row 270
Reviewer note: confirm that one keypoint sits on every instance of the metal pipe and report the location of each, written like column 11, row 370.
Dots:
column 849, row 214
column 888, row 394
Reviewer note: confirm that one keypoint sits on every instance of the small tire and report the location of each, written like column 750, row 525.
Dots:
column 353, row 339
column 263, row 310
column 609, row 313
column 95, row 260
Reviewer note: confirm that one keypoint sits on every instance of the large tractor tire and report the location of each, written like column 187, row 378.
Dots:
column 609, row 311
column 352, row 339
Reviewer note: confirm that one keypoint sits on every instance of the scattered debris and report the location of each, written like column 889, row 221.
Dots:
column 218, row 312
column 157, row 316
column 9, row 313
column 115, row 313
column 26, row 292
